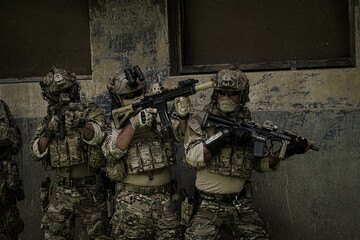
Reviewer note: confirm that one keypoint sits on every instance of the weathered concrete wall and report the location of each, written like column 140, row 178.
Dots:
column 312, row 196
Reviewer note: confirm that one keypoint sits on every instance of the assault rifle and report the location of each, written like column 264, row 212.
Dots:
column 260, row 133
column 64, row 100
column 159, row 101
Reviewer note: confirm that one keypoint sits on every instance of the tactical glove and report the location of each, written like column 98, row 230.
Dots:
column 182, row 107
column 217, row 141
column 297, row 145
column 75, row 116
column 75, row 119
column 144, row 118
column 52, row 127
column 239, row 136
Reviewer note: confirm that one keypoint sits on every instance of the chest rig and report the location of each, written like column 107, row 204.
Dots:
column 236, row 161
column 67, row 152
column 148, row 152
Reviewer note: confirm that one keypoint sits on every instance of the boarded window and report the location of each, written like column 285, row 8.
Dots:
column 260, row 35
column 36, row 34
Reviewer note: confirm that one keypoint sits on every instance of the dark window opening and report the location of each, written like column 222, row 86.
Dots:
column 206, row 36
column 36, row 34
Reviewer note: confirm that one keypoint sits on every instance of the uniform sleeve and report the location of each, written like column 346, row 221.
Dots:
column 193, row 143
column 99, row 135
column 34, row 145
column 15, row 136
column 111, row 152
column 179, row 137
column 13, row 180
column 96, row 117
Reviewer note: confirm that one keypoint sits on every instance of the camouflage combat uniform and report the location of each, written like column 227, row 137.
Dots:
column 221, row 205
column 142, row 212
column 78, row 192
column 10, row 184
column 144, row 203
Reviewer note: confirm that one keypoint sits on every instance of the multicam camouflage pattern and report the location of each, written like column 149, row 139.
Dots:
column 85, row 200
column 142, row 216
column 137, row 217
column 86, row 203
column 236, row 161
column 10, row 142
column 73, row 149
column 9, row 132
column 11, row 225
column 232, row 80
column 56, row 82
column 147, row 152
column 241, row 222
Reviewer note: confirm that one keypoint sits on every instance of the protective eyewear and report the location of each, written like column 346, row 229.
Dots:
column 228, row 93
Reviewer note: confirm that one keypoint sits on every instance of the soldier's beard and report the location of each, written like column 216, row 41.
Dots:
column 226, row 104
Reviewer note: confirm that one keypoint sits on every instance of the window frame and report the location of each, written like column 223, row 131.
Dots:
column 177, row 67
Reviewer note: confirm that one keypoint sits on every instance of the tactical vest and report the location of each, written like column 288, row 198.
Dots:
column 147, row 152
column 72, row 151
column 236, row 161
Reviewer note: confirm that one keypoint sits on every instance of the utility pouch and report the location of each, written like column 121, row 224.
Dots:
column 187, row 210
column 44, row 194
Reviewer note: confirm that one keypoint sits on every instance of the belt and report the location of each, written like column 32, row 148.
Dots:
column 75, row 182
column 167, row 188
column 228, row 198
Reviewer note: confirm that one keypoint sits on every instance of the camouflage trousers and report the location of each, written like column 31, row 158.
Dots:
column 10, row 223
column 86, row 203
column 241, row 222
column 145, row 216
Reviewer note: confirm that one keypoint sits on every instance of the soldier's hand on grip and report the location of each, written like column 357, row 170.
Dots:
column 52, row 127
column 297, row 145
column 75, row 119
column 144, row 118
column 182, row 107
column 239, row 136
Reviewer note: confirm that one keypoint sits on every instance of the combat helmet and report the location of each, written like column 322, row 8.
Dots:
column 232, row 79
column 59, row 81
column 124, row 85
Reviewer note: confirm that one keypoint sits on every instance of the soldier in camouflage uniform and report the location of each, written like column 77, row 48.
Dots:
column 224, row 161
column 68, row 142
column 140, row 161
column 10, row 184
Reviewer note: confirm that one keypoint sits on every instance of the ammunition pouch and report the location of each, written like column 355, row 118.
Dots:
column 44, row 198
column 187, row 211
